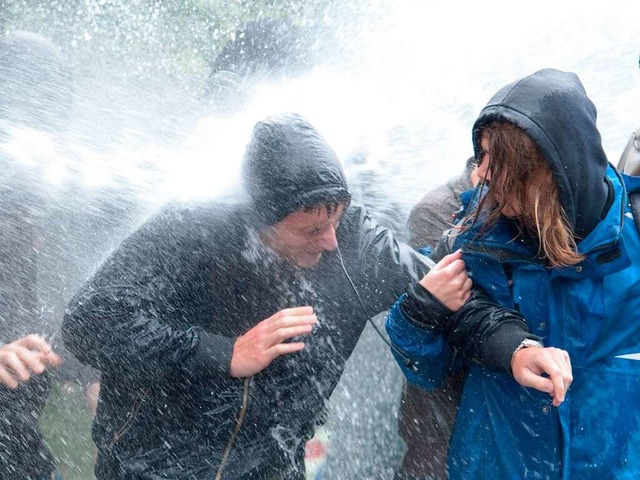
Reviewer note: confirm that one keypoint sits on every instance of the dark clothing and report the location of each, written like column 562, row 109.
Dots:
column 425, row 423
column 161, row 316
column 264, row 48
column 160, row 319
column 23, row 453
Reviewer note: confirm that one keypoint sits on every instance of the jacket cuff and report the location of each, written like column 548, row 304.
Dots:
column 500, row 347
column 421, row 307
column 212, row 355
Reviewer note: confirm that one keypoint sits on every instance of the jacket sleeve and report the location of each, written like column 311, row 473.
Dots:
column 134, row 316
column 426, row 349
column 482, row 330
column 487, row 333
column 422, row 353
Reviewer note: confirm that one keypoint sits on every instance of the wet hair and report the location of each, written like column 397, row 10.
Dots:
column 331, row 207
column 516, row 165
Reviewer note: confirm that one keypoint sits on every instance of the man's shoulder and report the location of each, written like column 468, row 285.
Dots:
column 212, row 214
column 193, row 225
column 355, row 217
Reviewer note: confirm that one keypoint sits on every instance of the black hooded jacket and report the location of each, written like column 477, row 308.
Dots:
column 161, row 316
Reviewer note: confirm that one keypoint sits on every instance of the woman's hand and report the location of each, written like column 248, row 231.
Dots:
column 545, row 369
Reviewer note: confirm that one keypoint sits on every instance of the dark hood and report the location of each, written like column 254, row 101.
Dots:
column 552, row 107
column 288, row 165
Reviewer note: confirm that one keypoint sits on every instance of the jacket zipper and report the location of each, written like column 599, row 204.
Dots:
column 236, row 430
column 133, row 413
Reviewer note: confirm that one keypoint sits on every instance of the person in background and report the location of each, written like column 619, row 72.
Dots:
column 35, row 94
column 550, row 233
column 425, row 419
column 36, row 101
column 260, row 51
column 629, row 162
column 221, row 329
column 434, row 213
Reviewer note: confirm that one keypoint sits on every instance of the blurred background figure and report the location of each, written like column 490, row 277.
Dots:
column 35, row 104
column 630, row 159
column 35, row 93
column 260, row 51
column 35, row 84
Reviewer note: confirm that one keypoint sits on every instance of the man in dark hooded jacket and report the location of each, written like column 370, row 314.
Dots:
column 196, row 383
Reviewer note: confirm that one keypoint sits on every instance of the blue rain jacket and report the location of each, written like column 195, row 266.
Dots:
column 592, row 310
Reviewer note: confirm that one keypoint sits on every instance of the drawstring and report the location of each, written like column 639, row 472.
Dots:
column 243, row 412
column 407, row 361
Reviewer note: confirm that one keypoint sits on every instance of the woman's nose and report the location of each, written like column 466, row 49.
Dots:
column 483, row 171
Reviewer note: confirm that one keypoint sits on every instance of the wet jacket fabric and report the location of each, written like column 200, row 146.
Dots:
column 589, row 309
column 161, row 316
column 160, row 319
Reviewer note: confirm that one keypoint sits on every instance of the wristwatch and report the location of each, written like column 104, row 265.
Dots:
column 526, row 343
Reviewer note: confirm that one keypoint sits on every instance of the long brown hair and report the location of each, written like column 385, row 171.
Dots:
column 518, row 167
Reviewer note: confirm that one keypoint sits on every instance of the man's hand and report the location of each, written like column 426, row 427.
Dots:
column 449, row 282
column 257, row 348
column 21, row 358
column 529, row 364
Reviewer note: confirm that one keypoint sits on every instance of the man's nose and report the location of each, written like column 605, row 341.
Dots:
column 328, row 240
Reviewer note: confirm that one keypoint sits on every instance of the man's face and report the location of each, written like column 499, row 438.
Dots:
column 303, row 236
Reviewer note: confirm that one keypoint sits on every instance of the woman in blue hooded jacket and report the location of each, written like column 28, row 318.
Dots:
column 550, row 232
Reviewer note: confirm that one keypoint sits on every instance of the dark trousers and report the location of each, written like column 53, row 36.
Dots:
column 425, row 423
